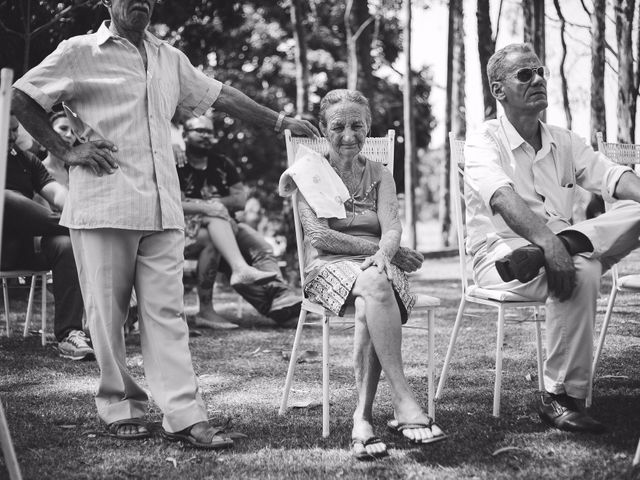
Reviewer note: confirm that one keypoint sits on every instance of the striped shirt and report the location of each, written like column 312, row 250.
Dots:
column 101, row 77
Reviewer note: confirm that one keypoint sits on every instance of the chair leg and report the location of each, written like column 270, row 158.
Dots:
column 603, row 334
column 43, row 337
column 5, row 294
column 499, row 341
column 10, row 459
column 292, row 362
column 325, row 376
column 27, row 318
column 431, row 408
column 452, row 343
column 539, row 349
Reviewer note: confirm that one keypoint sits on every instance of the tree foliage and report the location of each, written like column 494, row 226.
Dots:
column 250, row 46
column 31, row 29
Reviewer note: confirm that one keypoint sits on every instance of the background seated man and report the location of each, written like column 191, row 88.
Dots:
column 521, row 177
column 23, row 219
column 210, row 176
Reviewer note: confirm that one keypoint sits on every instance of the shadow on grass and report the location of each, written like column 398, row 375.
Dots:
column 241, row 372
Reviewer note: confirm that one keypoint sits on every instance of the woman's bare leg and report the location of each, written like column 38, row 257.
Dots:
column 367, row 372
column 384, row 326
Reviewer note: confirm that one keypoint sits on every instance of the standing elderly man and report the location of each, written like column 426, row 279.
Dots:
column 521, row 175
column 124, row 208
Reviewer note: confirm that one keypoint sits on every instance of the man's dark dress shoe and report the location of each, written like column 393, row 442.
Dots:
column 523, row 263
column 561, row 411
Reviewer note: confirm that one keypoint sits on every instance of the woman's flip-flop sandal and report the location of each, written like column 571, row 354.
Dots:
column 400, row 427
column 113, row 429
column 217, row 441
column 363, row 455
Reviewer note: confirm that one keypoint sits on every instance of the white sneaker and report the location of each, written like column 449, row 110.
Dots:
column 76, row 346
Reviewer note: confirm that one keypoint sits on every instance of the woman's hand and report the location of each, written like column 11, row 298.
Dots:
column 407, row 259
column 380, row 260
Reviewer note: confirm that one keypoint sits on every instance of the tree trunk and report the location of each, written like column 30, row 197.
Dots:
column 598, row 110
column 459, row 78
column 359, row 33
column 486, row 48
column 627, row 91
column 409, row 134
column 302, row 66
column 27, row 36
column 534, row 26
column 455, row 109
column 534, row 30
column 563, row 77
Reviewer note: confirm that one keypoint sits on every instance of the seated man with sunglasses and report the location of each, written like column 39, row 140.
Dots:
column 521, row 177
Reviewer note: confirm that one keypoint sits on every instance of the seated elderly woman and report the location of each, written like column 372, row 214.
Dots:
column 359, row 260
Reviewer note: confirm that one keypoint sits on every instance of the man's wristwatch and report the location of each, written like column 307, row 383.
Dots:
column 279, row 121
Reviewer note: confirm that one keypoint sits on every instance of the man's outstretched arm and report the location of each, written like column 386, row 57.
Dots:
column 238, row 105
column 628, row 187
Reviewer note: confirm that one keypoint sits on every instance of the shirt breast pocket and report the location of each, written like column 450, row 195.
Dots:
column 563, row 204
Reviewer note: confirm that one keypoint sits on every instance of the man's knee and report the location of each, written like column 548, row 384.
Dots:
column 57, row 246
column 24, row 215
column 250, row 240
column 588, row 271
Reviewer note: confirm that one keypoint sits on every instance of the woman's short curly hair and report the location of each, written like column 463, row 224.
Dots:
column 341, row 95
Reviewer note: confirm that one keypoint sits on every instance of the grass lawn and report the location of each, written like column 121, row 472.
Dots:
column 51, row 414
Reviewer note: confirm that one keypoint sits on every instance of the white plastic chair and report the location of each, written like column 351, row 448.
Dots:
column 379, row 149
column 6, row 79
column 34, row 274
column 500, row 299
column 624, row 154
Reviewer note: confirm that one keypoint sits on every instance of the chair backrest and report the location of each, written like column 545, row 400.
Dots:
column 377, row 149
column 623, row 154
column 456, row 176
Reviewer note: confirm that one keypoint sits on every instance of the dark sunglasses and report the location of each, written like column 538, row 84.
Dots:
column 525, row 75
column 201, row 131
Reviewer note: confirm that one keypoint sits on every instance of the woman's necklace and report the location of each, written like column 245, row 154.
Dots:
column 351, row 176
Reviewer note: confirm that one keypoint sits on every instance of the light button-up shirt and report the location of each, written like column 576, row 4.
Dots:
column 497, row 156
column 102, row 78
